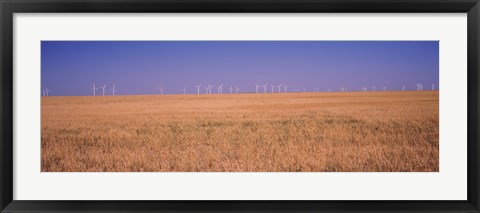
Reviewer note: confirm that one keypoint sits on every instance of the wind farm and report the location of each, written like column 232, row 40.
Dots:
column 286, row 107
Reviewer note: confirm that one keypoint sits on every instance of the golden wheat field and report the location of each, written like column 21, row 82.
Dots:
column 285, row 132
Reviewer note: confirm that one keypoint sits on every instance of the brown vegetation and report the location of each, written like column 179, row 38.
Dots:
column 303, row 132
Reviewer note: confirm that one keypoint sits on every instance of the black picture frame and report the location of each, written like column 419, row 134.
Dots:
column 9, row 7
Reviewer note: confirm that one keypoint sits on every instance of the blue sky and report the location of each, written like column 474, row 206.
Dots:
column 69, row 68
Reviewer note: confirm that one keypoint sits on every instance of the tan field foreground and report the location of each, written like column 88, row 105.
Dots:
column 288, row 132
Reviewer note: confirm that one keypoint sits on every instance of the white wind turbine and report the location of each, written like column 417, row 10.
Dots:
column 103, row 88
column 403, row 88
column 184, row 90
column 285, row 86
column 47, row 91
column 43, row 92
column 265, row 88
column 231, row 89
column 161, row 90
column 113, row 90
column 198, row 88
column 272, row 87
column 236, row 88
column 94, row 89
column 433, row 87
column 279, row 88
column 256, row 87
column 220, row 89
column 209, row 89
column 419, row 87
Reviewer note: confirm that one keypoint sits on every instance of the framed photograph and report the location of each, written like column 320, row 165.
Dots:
column 255, row 106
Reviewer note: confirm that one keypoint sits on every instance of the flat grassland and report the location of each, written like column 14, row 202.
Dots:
column 284, row 132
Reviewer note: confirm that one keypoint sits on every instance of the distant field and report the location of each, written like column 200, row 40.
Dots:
column 285, row 132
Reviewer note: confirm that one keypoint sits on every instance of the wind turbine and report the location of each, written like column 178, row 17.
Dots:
column 209, row 88
column 419, row 87
column 285, row 86
column 113, row 90
column 403, row 88
column 256, row 87
column 184, row 90
column 220, row 89
column 43, row 92
column 272, row 87
column 231, row 89
column 279, row 88
column 198, row 89
column 265, row 88
column 237, row 89
column 433, row 87
column 47, row 91
column 161, row 90
column 94, row 89
column 103, row 88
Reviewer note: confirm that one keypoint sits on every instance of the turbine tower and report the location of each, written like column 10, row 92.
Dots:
column 103, row 88
column 161, row 90
column 272, row 87
column 47, row 91
column 285, row 86
column 403, row 88
column 184, row 90
column 279, row 88
column 198, row 89
column 433, row 87
column 94, row 89
column 43, row 92
column 231, row 89
column 237, row 89
column 113, row 90
column 265, row 88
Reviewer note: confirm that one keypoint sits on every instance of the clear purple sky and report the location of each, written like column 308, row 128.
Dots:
column 143, row 67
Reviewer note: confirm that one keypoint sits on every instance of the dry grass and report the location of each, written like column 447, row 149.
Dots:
column 304, row 132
